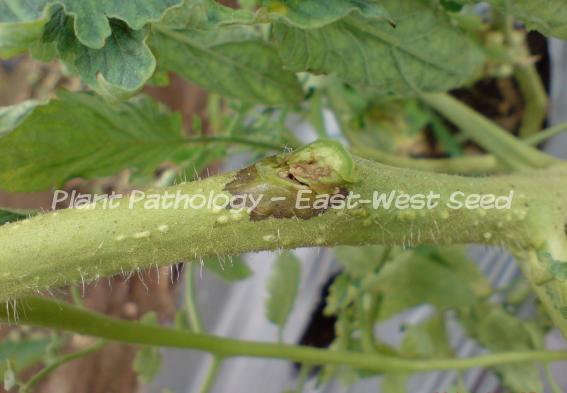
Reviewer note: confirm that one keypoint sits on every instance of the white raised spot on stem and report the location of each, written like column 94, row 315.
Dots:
column 163, row 228
column 120, row 238
column 141, row 235
column 269, row 238
column 223, row 219
column 487, row 235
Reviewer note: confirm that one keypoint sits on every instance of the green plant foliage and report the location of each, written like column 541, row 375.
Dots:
column 314, row 14
column 91, row 18
column 427, row 339
column 359, row 262
column 22, row 353
column 412, row 279
column 78, row 135
column 234, row 61
column 7, row 216
column 283, row 286
column 498, row 331
column 233, row 269
column 148, row 360
column 424, row 52
column 549, row 18
column 116, row 70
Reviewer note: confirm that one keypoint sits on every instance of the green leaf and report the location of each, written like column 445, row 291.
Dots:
column 7, row 216
column 21, row 25
column 234, row 269
column 80, row 135
column 358, row 262
column 309, row 14
column 148, row 360
column 395, row 383
column 233, row 61
column 23, row 353
column 91, row 19
column 427, row 339
column 425, row 52
column 282, row 288
column 117, row 70
column 147, row 363
column 549, row 18
column 204, row 14
column 412, row 279
column 557, row 269
column 498, row 331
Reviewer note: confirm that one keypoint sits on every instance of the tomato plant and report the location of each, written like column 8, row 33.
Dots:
column 414, row 174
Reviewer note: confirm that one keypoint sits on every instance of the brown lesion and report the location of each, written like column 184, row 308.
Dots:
column 273, row 177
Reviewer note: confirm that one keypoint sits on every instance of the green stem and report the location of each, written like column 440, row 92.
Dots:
column 193, row 315
column 73, row 245
column 47, row 313
column 466, row 165
column 76, row 296
column 210, row 377
column 509, row 150
column 43, row 373
column 540, row 137
column 535, row 99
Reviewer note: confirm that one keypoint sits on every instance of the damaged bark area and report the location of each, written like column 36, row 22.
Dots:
column 321, row 168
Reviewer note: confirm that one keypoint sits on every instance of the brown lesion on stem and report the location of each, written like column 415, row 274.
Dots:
column 322, row 168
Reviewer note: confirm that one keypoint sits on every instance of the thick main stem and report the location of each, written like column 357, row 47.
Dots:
column 74, row 245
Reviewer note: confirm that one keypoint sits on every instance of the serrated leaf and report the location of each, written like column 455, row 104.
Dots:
column 425, row 52
column 80, row 135
column 117, row 70
column 283, row 286
column 309, row 14
column 549, row 17
column 232, row 60
column 91, row 19
column 234, row 269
